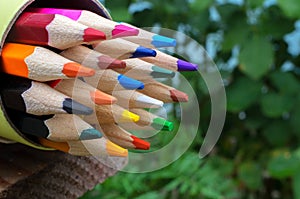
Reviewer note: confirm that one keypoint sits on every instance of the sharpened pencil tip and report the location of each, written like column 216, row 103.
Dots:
column 154, row 103
column 106, row 62
column 130, row 83
column 124, row 31
column 143, row 52
column 186, row 66
column 140, row 144
column 161, row 41
column 91, row 34
column 115, row 150
column 76, row 70
column 90, row 134
column 178, row 96
column 73, row 107
column 159, row 72
column 101, row 98
column 128, row 116
column 162, row 124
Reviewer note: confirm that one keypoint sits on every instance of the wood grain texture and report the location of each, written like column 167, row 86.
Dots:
column 29, row 173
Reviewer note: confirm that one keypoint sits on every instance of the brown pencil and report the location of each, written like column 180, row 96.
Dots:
column 163, row 92
column 91, row 58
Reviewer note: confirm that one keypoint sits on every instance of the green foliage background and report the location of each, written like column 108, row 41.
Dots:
column 258, row 154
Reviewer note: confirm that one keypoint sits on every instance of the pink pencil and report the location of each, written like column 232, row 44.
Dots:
column 110, row 28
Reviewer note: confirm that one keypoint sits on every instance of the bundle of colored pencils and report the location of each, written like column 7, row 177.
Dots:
column 77, row 82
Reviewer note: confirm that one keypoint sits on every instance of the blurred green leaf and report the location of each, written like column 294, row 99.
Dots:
column 255, row 3
column 283, row 165
column 277, row 133
column 237, row 34
column 242, row 94
column 256, row 57
column 290, row 7
column 199, row 5
column 285, row 82
column 296, row 185
column 250, row 174
column 274, row 105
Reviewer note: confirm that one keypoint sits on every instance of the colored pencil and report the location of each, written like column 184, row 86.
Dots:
column 134, row 99
column 52, row 30
column 163, row 92
column 109, row 80
column 149, row 121
column 169, row 62
column 59, row 127
column 82, row 92
column 110, row 28
column 39, row 63
column 92, row 59
column 37, row 98
column 141, row 70
column 97, row 147
column 107, row 114
column 149, row 39
column 123, row 138
column 122, row 49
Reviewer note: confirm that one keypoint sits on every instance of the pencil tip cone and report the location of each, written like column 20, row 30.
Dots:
column 130, row 83
column 106, row 62
column 115, row 150
column 140, row 144
column 144, row 99
column 186, row 66
column 73, row 107
column 128, row 116
column 161, row 41
column 124, row 31
column 143, row 52
column 90, row 134
column 162, row 124
column 161, row 72
column 74, row 69
column 91, row 34
column 178, row 96
column 101, row 98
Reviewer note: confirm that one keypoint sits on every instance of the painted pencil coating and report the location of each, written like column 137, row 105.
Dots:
column 52, row 30
column 38, row 98
column 110, row 28
column 59, row 128
column 38, row 63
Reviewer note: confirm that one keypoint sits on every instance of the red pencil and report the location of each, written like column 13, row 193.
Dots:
column 52, row 30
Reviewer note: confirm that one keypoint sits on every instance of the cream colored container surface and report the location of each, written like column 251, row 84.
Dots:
column 9, row 12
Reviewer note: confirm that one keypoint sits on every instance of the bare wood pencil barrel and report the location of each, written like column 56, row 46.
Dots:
column 25, row 171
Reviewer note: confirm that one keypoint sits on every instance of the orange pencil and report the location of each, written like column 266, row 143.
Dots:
column 38, row 63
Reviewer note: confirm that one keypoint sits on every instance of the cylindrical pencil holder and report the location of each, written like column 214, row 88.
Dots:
column 9, row 12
